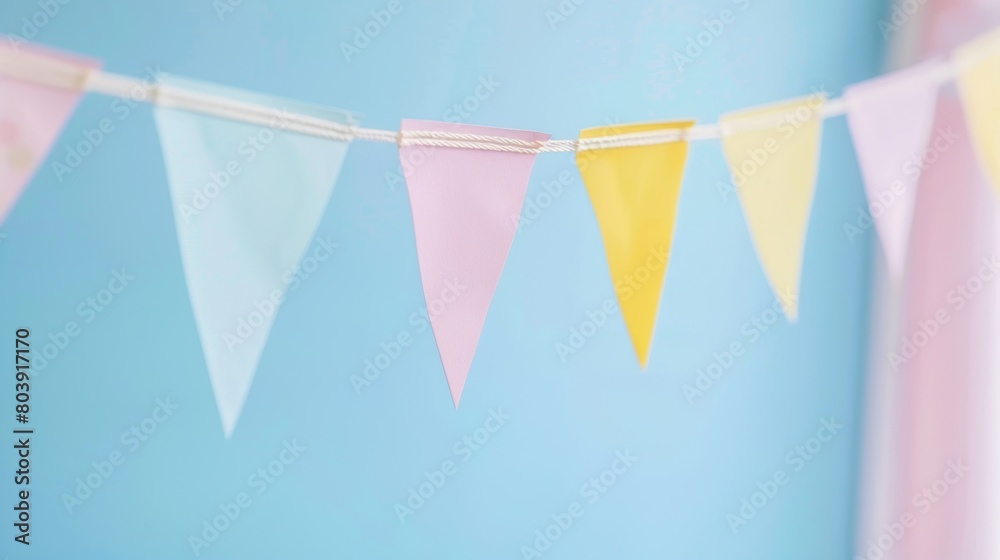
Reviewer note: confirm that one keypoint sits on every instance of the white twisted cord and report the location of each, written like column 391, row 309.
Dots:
column 47, row 71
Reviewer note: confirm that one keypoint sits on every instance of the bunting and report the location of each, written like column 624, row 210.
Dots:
column 634, row 192
column 772, row 154
column 978, row 66
column 461, row 201
column 31, row 117
column 250, row 177
column 890, row 120
column 247, row 199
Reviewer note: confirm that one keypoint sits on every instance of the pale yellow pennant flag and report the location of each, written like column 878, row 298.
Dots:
column 634, row 192
column 978, row 66
column 772, row 154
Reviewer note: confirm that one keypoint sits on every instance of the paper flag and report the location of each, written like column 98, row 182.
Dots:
column 634, row 192
column 31, row 119
column 462, row 200
column 890, row 121
column 772, row 154
column 247, row 199
column 978, row 66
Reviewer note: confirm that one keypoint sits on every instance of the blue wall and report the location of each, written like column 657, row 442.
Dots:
column 607, row 62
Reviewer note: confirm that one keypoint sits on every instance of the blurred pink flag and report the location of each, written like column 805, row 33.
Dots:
column 31, row 118
column 949, row 422
column 890, row 121
column 462, row 200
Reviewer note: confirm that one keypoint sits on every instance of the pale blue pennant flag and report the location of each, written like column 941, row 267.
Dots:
column 247, row 199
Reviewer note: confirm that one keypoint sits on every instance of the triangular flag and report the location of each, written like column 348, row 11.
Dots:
column 31, row 116
column 247, row 200
column 634, row 192
column 978, row 66
column 462, row 200
column 890, row 119
column 772, row 154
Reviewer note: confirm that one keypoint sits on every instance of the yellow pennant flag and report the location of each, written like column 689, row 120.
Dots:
column 772, row 154
column 634, row 192
column 978, row 65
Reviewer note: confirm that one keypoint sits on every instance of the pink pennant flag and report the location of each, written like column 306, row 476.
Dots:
column 31, row 117
column 890, row 120
column 462, row 200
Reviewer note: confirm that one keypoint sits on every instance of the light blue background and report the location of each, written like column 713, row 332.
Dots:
column 610, row 61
